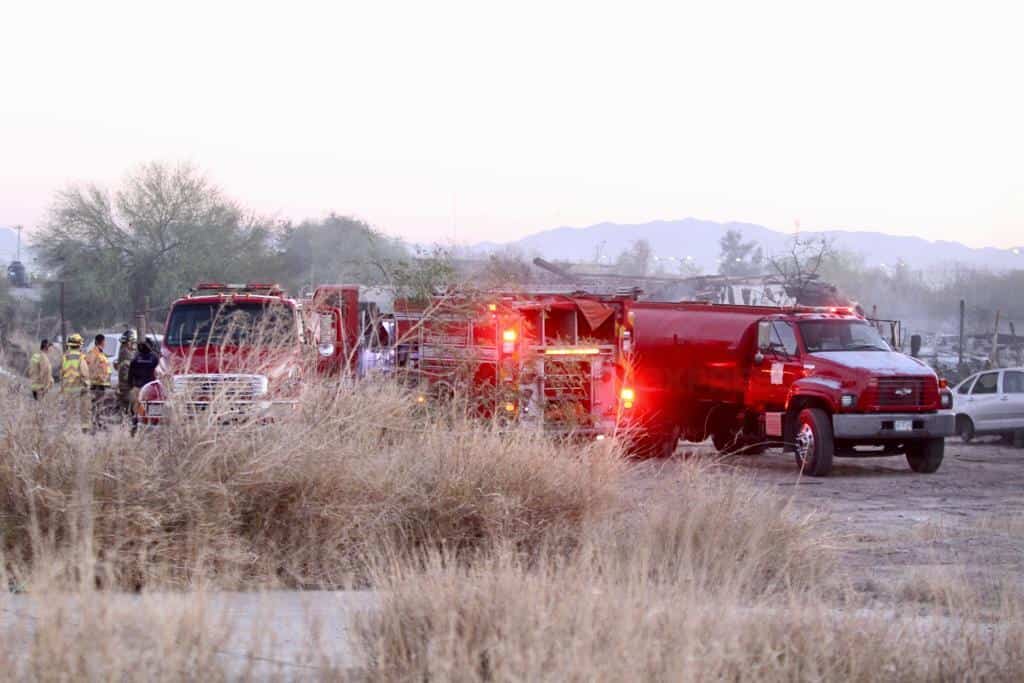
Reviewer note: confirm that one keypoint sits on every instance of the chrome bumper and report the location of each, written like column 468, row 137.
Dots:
column 882, row 425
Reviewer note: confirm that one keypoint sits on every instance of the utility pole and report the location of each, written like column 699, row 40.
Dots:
column 960, row 354
column 63, row 322
column 18, row 256
column 995, row 343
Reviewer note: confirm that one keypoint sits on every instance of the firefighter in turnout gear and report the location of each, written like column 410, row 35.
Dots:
column 74, row 383
column 125, row 354
column 99, row 376
column 40, row 374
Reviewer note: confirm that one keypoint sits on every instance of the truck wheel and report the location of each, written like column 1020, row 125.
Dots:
column 660, row 445
column 724, row 441
column 814, row 445
column 925, row 456
column 965, row 428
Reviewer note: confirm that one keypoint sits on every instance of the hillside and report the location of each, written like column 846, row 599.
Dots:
column 698, row 239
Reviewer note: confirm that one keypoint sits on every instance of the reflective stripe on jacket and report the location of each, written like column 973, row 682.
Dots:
column 73, row 371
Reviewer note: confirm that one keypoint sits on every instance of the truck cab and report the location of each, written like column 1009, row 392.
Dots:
column 827, row 382
column 240, row 349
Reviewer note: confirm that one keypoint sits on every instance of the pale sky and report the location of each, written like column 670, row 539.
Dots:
column 478, row 120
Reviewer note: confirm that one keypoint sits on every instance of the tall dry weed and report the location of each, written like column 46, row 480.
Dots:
column 719, row 582
column 301, row 502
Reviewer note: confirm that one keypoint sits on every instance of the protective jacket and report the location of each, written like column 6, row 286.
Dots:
column 74, row 372
column 123, row 365
column 99, row 368
column 40, row 374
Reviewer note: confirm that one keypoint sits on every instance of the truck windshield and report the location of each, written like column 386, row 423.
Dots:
column 841, row 335
column 234, row 324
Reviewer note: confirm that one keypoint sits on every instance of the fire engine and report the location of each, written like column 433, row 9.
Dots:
column 549, row 360
column 249, row 347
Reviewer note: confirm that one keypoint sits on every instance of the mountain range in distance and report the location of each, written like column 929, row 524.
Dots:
column 698, row 241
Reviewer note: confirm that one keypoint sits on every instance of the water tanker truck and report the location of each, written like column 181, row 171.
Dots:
column 822, row 382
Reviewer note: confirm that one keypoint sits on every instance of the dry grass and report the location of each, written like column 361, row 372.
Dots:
column 299, row 503
column 722, row 583
column 499, row 553
column 91, row 637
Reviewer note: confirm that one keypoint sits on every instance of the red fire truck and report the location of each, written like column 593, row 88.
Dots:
column 822, row 382
column 549, row 360
column 249, row 347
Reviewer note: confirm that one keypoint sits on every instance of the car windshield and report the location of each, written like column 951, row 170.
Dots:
column 234, row 324
column 841, row 335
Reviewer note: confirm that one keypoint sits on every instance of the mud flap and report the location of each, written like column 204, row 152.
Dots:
column 788, row 433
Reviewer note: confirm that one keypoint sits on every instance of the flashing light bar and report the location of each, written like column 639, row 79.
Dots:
column 588, row 351
column 236, row 287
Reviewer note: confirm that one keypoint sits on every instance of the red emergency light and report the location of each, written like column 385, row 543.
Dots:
column 628, row 396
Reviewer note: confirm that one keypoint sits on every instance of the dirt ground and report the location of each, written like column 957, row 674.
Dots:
column 894, row 526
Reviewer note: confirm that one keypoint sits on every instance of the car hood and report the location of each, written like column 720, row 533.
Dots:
column 877, row 362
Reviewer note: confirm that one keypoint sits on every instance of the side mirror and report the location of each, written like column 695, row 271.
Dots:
column 758, row 358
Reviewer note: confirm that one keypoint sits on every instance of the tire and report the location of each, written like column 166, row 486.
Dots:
column 661, row 445
column 925, row 456
column 724, row 441
column 814, row 446
column 965, row 428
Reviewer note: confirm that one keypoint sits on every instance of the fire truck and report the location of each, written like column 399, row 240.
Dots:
column 249, row 347
column 549, row 360
column 819, row 381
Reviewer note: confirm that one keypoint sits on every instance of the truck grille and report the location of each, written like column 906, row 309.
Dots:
column 902, row 393
column 226, row 387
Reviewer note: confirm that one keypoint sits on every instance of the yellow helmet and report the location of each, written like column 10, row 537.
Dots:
column 75, row 340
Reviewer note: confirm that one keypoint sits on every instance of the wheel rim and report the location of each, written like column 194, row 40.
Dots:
column 805, row 443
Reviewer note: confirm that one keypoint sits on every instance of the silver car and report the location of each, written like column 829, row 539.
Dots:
column 990, row 402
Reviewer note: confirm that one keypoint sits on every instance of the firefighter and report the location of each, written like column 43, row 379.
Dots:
column 74, row 379
column 142, row 371
column 40, row 373
column 99, row 376
column 125, row 355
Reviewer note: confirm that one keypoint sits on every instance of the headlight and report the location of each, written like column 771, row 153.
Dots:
column 848, row 401
column 946, row 399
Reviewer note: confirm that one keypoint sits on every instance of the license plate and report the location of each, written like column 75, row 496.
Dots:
column 903, row 425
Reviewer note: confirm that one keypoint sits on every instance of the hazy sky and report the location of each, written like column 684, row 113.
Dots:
column 478, row 120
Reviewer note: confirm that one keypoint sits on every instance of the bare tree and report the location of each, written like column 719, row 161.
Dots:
column 800, row 266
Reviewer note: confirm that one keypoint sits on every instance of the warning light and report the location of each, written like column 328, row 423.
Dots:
column 509, row 336
column 510, row 407
column 584, row 351
column 492, row 307
column 421, row 399
column 628, row 396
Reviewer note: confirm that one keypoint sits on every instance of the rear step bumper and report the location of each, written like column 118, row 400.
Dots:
column 883, row 425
